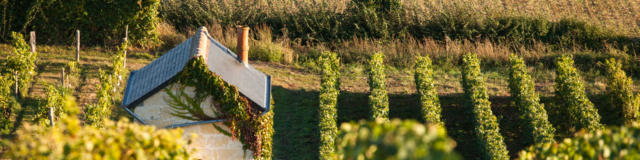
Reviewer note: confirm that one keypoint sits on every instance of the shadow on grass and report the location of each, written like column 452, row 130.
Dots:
column 296, row 119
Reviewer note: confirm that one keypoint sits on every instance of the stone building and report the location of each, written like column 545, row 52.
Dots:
column 146, row 97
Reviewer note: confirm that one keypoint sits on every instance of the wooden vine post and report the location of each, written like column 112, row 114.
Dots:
column 15, row 77
column 32, row 41
column 126, row 38
column 51, row 116
column 62, row 78
column 78, row 46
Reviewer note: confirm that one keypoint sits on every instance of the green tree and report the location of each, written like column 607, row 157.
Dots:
column 620, row 92
column 522, row 87
column 487, row 130
column 427, row 90
column 327, row 111
column 570, row 95
column 394, row 140
column 378, row 98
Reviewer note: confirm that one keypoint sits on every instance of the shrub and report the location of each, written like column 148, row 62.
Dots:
column 56, row 97
column 23, row 62
column 117, row 140
column 265, row 49
column 394, row 140
column 611, row 143
column 378, row 98
column 328, row 112
column 570, row 95
column 523, row 93
column 119, row 71
column 72, row 74
column 96, row 114
column 620, row 92
column 491, row 143
column 8, row 106
column 427, row 90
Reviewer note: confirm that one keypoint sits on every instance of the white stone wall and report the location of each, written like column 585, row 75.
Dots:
column 210, row 143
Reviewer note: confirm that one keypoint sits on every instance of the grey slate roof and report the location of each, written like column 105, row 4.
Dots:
column 160, row 71
column 253, row 84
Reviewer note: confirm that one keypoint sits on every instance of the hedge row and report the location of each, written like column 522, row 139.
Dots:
column 327, row 111
column 490, row 141
column 96, row 114
column 620, row 92
column 571, row 96
column 387, row 19
column 611, row 143
column 535, row 118
column 8, row 106
column 111, row 84
column 22, row 61
column 394, row 140
column 427, row 90
column 378, row 98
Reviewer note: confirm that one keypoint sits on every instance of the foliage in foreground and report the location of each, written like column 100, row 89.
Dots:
column 378, row 98
column 571, row 96
column 620, row 92
column 117, row 140
column 490, row 141
column 394, row 140
column 22, row 61
column 427, row 90
column 611, row 143
column 328, row 111
column 523, row 93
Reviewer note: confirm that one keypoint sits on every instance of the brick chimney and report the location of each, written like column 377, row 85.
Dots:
column 243, row 44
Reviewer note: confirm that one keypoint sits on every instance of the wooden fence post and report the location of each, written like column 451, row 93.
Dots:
column 126, row 39
column 32, row 41
column 51, row 116
column 15, row 77
column 62, row 78
column 78, row 46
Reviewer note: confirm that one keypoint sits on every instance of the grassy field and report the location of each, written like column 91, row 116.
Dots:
column 295, row 92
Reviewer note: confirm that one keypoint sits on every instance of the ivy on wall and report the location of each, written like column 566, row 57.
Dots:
column 247, row 123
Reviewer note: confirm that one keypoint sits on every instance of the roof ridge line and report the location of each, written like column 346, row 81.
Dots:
column 201, row 46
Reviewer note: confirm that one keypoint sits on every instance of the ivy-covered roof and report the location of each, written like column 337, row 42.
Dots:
column 253, row 84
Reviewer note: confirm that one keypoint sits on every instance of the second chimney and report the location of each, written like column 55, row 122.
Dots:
column 243, row 44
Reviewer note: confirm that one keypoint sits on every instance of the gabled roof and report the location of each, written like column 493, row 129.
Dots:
column 251, row 83
column 153, row 76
